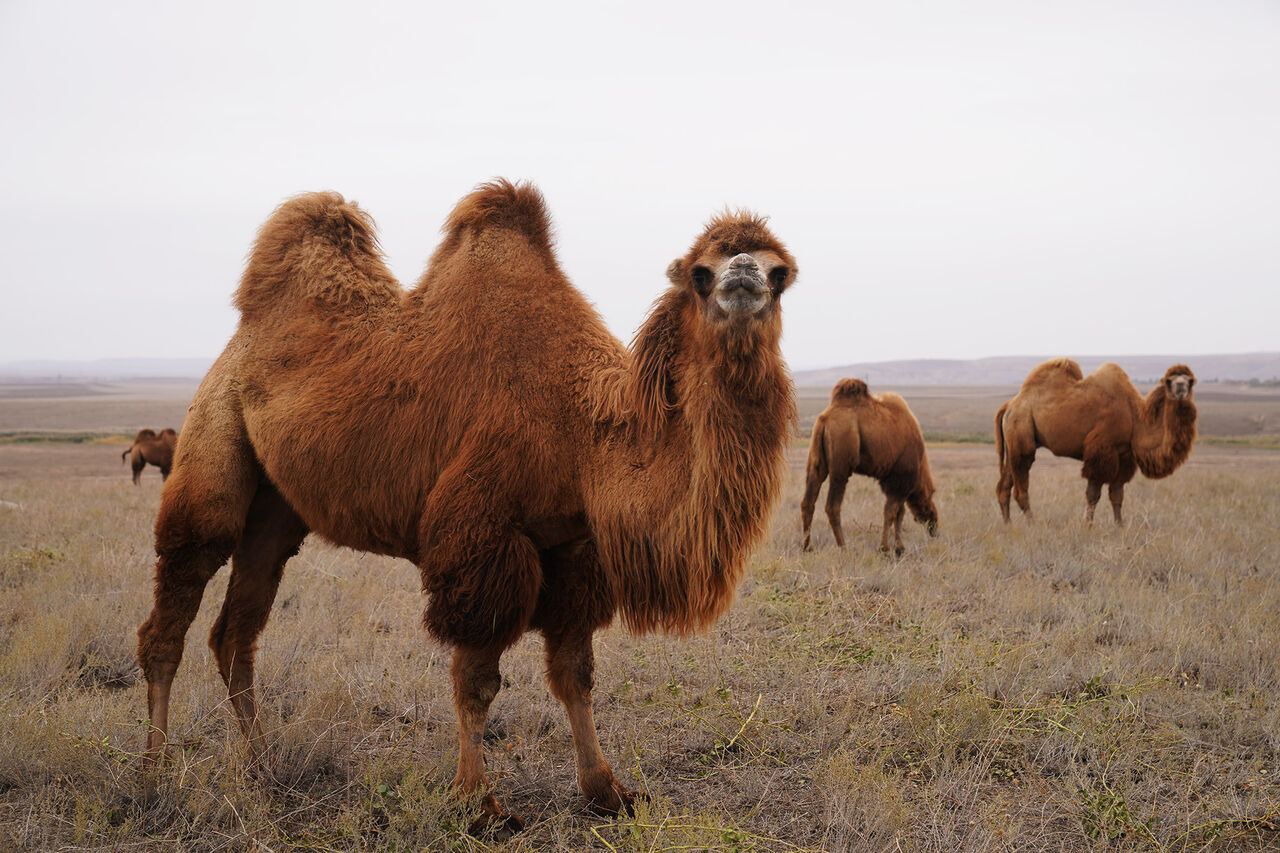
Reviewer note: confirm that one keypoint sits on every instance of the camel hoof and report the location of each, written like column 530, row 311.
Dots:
column 619, row 800
column 499, row 827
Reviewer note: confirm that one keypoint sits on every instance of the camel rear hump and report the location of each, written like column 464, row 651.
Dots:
column 315, row 248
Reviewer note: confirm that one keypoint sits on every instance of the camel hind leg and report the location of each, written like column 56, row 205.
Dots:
column 272, row 534
column 1004, row 489
column 1021, row 474
column 814, row 477
column 137, row 462
column 202, row 513
column 835, row 497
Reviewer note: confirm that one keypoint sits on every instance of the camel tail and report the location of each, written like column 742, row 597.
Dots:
column 1000, row 433
column 125, row 454
column 502, row 204
column 316, row 247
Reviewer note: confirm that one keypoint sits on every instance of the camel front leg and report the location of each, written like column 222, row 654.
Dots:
column 1022, row 485
column 1115, row 493
column 1092, row 493
column 570, row 669
column 894, row 509
column 476, row 680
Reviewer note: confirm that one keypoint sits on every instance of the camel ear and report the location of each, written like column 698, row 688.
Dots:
column 675, row 272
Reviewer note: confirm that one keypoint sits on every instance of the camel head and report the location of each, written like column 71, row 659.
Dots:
column 736, row 270
column 1178, row 381
column 923, row 509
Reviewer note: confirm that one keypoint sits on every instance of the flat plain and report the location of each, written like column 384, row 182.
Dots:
column 1046, row 686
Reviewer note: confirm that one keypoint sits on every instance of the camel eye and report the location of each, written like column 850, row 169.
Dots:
column 702, row 280
column 778, row 277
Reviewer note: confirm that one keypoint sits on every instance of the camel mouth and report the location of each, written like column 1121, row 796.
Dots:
column 742, row 293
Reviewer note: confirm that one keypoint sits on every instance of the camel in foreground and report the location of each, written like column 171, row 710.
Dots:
column 154, row 447
column 486, row 426
column 876, row 436
column 1100, row 419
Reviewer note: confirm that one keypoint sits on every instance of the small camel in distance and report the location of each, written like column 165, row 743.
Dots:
column 878, row 436
column 151, row 447
column 1100, row 419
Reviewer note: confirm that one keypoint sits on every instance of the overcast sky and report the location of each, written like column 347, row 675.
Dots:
column 955, row 179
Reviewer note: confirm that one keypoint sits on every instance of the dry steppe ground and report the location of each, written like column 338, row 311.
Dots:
column 1031, row 687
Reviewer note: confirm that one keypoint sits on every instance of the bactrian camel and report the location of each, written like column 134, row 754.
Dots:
column 1100, row 419
column 487, row 427
column 879, row 437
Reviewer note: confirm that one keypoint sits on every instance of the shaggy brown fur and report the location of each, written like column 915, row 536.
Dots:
column 876, row 436
column 1100, row 419
column 154, row 447
column 487, row 427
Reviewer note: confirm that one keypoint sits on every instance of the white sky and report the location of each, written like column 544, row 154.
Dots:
column 955, row 179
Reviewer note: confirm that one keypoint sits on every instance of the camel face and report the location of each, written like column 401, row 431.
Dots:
column 1179, row 385
column 739, row 287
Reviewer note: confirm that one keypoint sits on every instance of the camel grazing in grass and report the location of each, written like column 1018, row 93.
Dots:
column 154, row 447
column 874, row 435
column 1100, row 419
column 488, row 427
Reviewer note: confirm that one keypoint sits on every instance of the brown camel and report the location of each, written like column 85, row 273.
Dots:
column 154, row 447
column 876, row 436
column 488, row 427
column 1100, row 419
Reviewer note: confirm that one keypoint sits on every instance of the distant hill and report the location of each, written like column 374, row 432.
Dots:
column 1011, row 370
column 1001, row 370
column 107, row 369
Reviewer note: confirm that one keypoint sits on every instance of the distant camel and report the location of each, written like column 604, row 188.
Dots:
column 153, row 447
column 876, row 436
column 488, row 427
column 1099, row 419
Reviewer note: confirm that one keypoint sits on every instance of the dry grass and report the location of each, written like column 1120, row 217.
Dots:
column 1047, row 687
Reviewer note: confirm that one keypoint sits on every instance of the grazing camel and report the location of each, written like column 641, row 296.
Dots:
column 876, row 436
column 153, row 447
column 486, row 426
column 1099, row 419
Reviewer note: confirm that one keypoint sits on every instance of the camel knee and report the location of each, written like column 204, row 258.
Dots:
column 571, row 676
column 476, row 681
